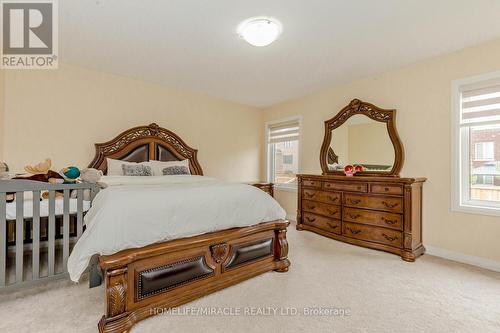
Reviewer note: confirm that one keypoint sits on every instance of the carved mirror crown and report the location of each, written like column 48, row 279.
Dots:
column 359, row 115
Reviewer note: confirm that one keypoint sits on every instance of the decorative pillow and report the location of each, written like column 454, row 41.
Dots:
column 158, row 166
column 136, row 170
column 176, row 170
column 115, row 166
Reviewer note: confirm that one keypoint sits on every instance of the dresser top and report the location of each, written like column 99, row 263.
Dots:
column 389, row 179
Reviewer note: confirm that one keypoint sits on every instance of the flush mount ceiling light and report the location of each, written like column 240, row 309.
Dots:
column 259, row 31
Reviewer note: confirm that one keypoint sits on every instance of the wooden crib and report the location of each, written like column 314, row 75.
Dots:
column 35, row 226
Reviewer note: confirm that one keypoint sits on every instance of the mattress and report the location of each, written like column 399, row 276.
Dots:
column 44, row 208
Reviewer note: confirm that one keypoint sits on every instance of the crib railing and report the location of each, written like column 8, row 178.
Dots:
column 20, row 187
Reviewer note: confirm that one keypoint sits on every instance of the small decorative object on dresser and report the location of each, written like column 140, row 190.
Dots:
column 266, row 187
column 376, row 208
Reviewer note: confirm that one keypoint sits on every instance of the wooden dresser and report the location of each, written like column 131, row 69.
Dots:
column 382, row 213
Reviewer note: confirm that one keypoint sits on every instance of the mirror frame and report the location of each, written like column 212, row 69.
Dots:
column 356, row 107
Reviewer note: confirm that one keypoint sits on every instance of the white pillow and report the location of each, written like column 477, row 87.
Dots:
column 115, row 166
column 158, row 166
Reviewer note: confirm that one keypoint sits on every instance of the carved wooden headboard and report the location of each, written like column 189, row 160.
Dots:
column 144, row 143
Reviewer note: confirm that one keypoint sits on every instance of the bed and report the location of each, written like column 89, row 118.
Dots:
column 169, row 273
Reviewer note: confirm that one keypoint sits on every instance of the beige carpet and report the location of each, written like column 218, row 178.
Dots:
column 382, row 292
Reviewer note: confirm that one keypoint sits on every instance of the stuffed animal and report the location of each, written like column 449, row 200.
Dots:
column 90, row 175
column 70, row 174
column 40, row 172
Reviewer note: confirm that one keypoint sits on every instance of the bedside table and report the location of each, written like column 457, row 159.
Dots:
column 266, row 187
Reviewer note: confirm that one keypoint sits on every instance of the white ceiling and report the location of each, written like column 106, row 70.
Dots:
column 192, row 44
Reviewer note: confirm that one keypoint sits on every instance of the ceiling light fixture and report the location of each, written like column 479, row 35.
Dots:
column 259, row 31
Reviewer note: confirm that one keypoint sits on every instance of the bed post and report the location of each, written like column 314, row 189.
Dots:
column 282, row 251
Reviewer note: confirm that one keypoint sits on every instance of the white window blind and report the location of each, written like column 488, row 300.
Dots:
column 284, row 132
column 480, row 105
column 283, row 140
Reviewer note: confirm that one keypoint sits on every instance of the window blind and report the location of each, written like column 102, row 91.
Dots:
column 283, row 132
column 481, row 105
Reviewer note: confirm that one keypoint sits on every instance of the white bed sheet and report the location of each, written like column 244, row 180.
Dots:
column 137, row 211
column 10, row 208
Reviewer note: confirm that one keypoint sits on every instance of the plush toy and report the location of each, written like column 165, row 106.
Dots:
column 39, row 169
column 70, row 174
column 40, row 172
column 90, row 175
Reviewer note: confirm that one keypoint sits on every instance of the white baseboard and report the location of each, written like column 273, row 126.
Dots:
column 463, row 258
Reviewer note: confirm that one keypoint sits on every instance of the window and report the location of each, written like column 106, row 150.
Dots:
column 283, row 152
column 476, row 136
column 287, row 159
column 484, row 151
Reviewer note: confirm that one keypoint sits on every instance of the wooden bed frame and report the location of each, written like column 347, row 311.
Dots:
column 140, row 281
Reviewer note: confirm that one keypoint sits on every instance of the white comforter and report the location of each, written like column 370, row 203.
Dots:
column 137, row 211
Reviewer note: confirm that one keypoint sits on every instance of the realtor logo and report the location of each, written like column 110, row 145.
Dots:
column 29, row 34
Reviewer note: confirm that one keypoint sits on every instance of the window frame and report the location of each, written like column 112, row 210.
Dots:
column 460, row 182
column 270, row 152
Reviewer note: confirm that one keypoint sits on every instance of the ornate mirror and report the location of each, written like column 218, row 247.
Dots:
column 362, row 134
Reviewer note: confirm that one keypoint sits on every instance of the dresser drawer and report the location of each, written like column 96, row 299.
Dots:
column 340, row 186
column 388, row 220
column 323, row 223
column 311, row 183
column 387, row 189
column 327, row 197
column 392, row 204
column 373, row 234
column 322, row 209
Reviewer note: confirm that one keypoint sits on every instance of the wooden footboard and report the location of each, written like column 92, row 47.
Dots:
column 166, row 275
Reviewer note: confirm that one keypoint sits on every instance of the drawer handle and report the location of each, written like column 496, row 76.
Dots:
column 309, row 195
column 354, row 201
column 353, row 231
column 332, row 212
column 331, row 225
column 311, row 207
column 329, row 197
column 310, row 219
column 389, row 238
column 388, row 221
column 359, row 188
column 353, row 216
column 387, row 189
column 389, row 205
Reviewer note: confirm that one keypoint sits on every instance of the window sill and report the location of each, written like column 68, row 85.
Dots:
column 477, row 210
column 285, row 188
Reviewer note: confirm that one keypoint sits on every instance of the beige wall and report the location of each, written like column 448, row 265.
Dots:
column 422, row 95
column 62, row 113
